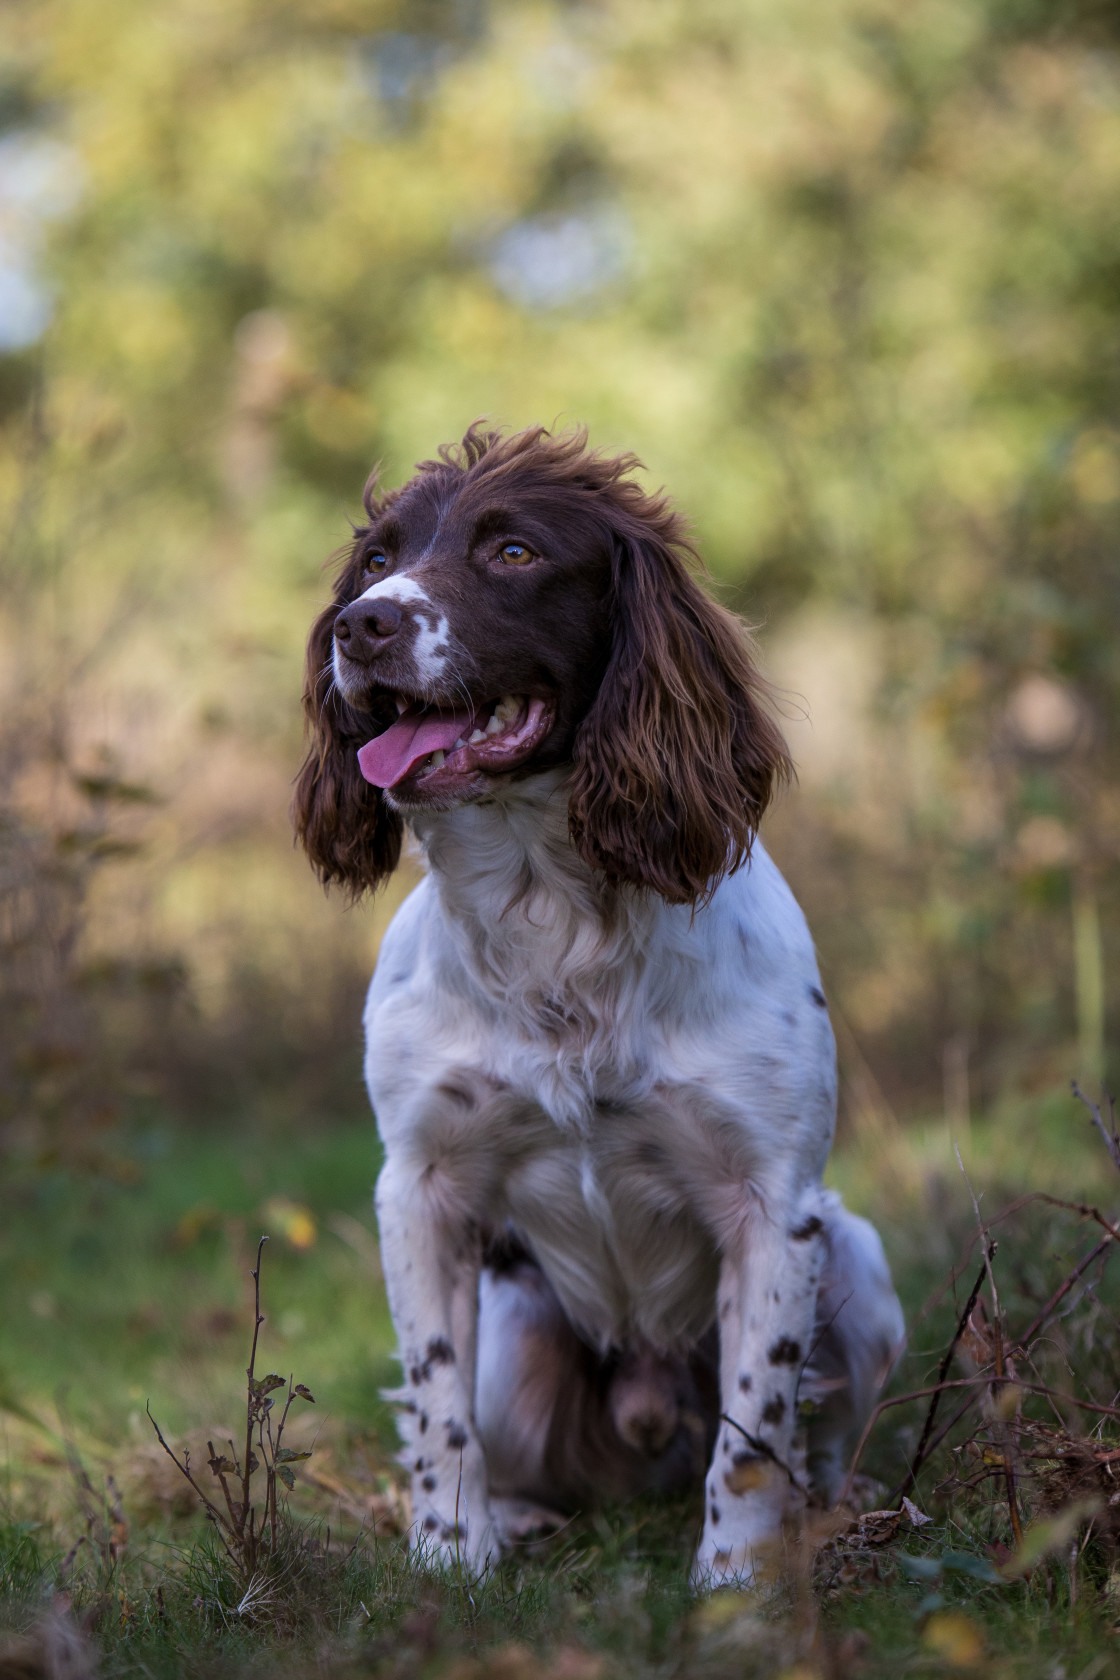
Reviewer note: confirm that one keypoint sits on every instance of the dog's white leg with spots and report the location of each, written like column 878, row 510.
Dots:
column 431, row 1276
column 768, row 1286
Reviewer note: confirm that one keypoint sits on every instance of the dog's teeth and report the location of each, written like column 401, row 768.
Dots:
column 507, row 708
column 459, row 743
column 493, row 724
column 437, row 758
column 476, row 735
column 402, row 705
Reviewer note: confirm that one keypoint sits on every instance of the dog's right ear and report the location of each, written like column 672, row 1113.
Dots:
column 343, row 823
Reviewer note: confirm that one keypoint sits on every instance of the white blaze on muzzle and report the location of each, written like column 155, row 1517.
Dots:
column 432, row 642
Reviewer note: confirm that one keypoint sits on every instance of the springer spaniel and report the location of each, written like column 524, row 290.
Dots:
column 597, row 1045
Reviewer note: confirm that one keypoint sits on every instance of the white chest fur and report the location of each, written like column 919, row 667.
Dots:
column 625, row 1060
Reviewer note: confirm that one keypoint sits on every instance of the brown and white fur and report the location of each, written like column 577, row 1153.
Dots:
column 597, row 1046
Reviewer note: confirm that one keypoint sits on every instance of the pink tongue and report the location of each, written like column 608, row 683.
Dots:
column 389, row 757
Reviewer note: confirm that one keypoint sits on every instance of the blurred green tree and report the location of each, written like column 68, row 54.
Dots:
column 844, row 274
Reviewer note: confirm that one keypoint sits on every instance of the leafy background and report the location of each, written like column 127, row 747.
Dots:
column 844, row 275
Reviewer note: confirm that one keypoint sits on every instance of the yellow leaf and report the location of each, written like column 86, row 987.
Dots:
column 295, row 1222
column 1005, row 1402
column 955, row 1638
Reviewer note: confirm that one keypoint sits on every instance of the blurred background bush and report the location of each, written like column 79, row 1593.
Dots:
column 844, row 273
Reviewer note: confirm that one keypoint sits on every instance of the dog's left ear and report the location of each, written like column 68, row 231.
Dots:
column 678, row 757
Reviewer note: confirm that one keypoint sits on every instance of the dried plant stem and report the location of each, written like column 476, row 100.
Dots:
column 885, row 1405
column 184, row 1467
column 246, row 1471
column 233, row 1516
column 246, row 1534
column 1004, row 1368
column 1060, row 1294
column 1012, row 1467
column 979, row 1381
column 946, row 1429
column 943, row 1371
column 1082, row 1209
column 764, row 1450
column 1108, row 1133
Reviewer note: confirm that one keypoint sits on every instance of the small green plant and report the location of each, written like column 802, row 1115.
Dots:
column 250, row 1533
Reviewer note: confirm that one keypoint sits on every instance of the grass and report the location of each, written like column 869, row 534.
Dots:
column 133, row 1286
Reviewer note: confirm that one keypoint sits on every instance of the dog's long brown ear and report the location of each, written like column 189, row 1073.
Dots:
column 678, row 758
column 344, row 824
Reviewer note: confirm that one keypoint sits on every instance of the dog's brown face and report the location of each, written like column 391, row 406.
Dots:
column 479, row 633
column 523, row 604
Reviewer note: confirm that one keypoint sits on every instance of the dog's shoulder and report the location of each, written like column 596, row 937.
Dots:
column 402, row 951
column 753, row 927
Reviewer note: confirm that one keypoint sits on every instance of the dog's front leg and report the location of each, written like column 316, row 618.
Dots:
column 431, row 1270
column 769, row 1273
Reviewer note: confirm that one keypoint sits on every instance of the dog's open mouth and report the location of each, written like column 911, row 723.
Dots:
column 435, row 746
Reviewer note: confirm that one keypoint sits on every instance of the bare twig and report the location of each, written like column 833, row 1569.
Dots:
column 258, row 1320
column 978, row 1381
column 1108, row 1133
column 249, row 1537
column 1059, row 1294
column 943, row 1371
column 1082, row 1209
column 764, row 1450
column 885, row 1405
column 1004, row 1367
column 946, row 1429
column 183, row 1466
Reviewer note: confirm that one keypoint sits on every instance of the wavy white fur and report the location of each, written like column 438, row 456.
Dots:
column 647, row 1094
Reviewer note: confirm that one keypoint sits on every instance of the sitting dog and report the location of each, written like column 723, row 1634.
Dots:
column 597, row 1045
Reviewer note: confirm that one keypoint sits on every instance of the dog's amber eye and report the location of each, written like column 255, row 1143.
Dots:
column 376, row 562
column 515, row 554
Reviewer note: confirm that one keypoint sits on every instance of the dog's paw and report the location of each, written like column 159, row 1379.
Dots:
column 727, row 1562
column 452, row 1526
column 470, row 1547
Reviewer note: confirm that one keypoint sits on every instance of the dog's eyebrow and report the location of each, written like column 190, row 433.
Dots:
column 386, row 532
column 492, row 522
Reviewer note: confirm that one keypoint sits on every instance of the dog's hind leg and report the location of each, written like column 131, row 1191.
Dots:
column 858, row 1337
column 528, row 1357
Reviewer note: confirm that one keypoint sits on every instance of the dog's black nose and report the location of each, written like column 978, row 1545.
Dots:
column 365, row 626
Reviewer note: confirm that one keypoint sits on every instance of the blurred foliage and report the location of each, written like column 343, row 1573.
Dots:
column 844, row 274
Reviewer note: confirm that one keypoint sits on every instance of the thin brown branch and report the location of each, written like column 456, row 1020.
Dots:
column 182, row 1468
column 1060, row 1294
column 275, row 1446
column 212, row 1511
column 946, row 1429
column 764, row 1450
column 1003, row 1366
column 250, row 1375
column 223, row 1484
column 1108, row 1133
column 1082, row 1209
column 284, row 1413
column 898, row 1400
column 943, row 1371
column 959, row 1382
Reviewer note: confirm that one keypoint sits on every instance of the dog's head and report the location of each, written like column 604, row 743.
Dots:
column 523, row 604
